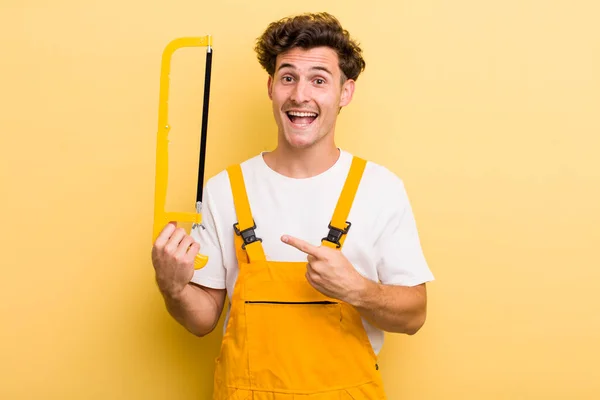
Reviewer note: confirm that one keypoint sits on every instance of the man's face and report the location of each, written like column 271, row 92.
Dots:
column 307, row 93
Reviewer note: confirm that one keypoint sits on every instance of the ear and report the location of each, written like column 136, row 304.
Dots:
column 347, row 92
column 270, row 87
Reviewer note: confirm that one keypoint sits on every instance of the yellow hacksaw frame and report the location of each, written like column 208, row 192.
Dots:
column 161, row 216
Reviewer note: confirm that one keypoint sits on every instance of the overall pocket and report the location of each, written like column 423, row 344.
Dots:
column 300, row 341
column 294, row 345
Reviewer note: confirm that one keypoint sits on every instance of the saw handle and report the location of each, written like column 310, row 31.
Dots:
column 162, row 220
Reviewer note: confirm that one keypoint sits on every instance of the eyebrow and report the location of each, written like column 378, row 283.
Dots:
column 316, row 67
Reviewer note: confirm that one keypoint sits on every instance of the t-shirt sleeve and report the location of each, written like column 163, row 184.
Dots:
column 400, row 257
column 213, row 274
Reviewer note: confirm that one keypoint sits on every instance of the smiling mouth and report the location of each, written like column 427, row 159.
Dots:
column 304, row 118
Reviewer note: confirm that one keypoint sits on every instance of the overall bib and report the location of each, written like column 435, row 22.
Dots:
column 284, row 340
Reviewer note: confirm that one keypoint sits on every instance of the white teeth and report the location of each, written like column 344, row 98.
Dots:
column 302, row 114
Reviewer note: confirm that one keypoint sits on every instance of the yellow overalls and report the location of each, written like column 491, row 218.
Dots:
column 284, row 340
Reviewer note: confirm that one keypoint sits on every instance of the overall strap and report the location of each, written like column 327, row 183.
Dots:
column 339, row 227
column 245, row 237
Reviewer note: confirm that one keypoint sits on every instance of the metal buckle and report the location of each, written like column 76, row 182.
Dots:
column 248, row 235
column 335, row 234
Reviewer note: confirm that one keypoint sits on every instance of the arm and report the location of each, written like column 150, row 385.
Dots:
column 392, row 308
column 397, row 300
column 197, row 308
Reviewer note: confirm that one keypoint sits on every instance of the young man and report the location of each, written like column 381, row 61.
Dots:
column 316, row 250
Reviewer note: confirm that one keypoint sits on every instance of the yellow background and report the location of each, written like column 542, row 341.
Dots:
column 487, row 110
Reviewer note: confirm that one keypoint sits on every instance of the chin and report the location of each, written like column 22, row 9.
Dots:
column 299, row 144
column 300, row 141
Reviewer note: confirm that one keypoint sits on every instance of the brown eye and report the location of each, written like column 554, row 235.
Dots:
column 320, row 81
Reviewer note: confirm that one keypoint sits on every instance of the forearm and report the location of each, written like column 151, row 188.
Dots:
column 194, row 308
column 392, row 308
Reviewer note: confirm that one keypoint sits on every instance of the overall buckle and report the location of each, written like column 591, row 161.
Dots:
column 248, row 235
column 335, row 234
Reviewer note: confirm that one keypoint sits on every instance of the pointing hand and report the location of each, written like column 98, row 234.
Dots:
column 329, row 271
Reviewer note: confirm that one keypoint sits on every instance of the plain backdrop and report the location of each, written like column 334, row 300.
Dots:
column 488, row 111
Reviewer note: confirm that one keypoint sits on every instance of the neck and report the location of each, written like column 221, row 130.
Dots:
column 302, row 163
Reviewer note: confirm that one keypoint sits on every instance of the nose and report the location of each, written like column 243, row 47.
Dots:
column 301, row 92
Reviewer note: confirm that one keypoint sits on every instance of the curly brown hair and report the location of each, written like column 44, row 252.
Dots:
column 308, row 31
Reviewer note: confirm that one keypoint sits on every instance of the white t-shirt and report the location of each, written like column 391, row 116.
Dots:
column 382, row 244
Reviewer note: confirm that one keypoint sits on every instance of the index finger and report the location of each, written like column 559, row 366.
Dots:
column 165, row 234
column 301, row 245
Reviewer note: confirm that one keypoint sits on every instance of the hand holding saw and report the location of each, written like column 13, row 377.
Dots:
column 161, row 217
